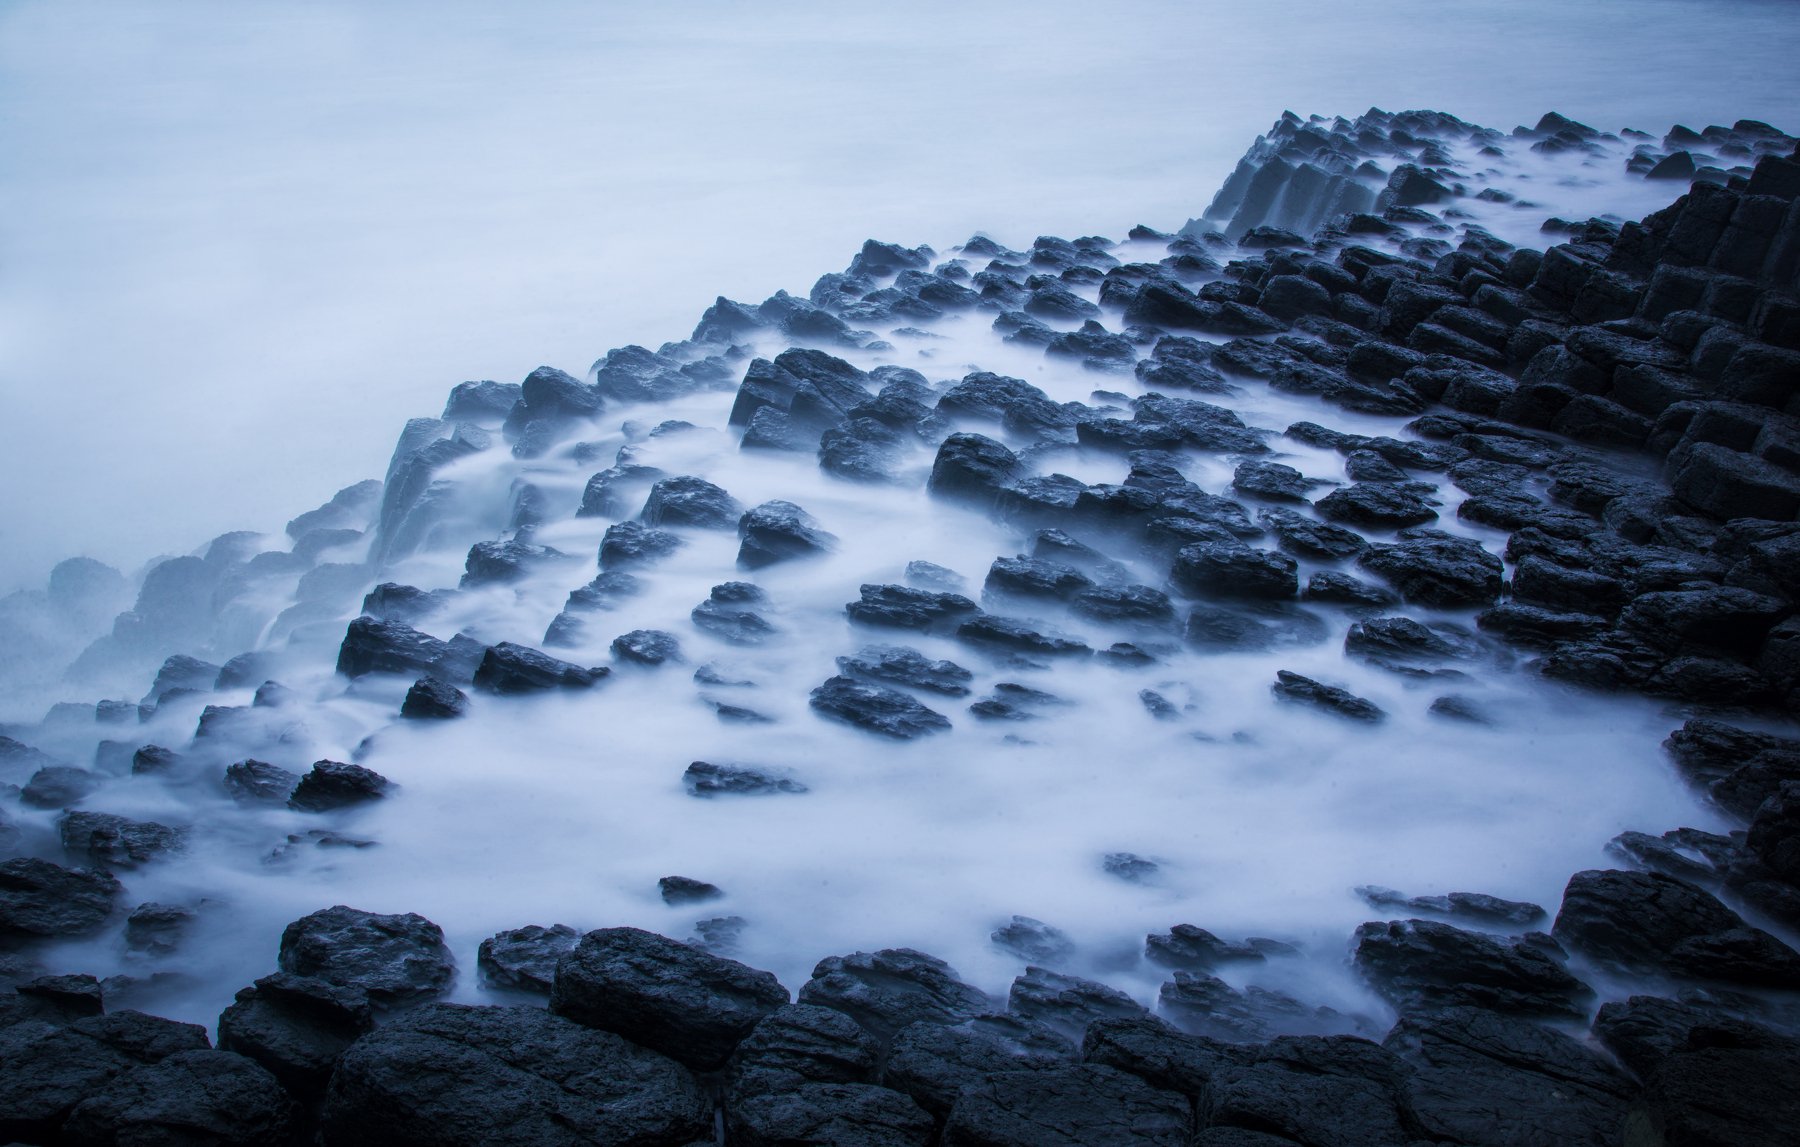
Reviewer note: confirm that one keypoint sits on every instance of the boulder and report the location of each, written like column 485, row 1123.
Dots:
column 1016, row 635
column 1066, row 1004
column 1378, row 505
column 932, row 1062
column 525, row 959
column 888, row 990
column 1648, row 922
column 116, row 841
column 449, row 1075
column 372, row 645
column 777, row 531
column 902, row 665
column 1424, row 965
column 259, row 782
column 212, row 1097
column 331, row 785
column 433, row 699
column 631, row 545
column 57, row 786
column 1331, row 699
column 647, row 647
column 690, row 1005
column 1077, row 1106
column 689, row 501
column 502, row 563
column 296, row 1027
column 41, row 900
column 1332, row 1091
column 507, row 668
column 1234, row 570
column 876, row 708
column 1308, row 538
column 972, row 469
column 396, row 959
column 1437, row 569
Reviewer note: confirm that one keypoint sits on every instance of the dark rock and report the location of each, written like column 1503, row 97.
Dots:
column 1190, row 949
column 333, row 785
column 500, row 563
column 258, row 782
column 776, row 531
column 972, row 469
column 901, row 665
column 525, row 958
column 1421, row 964
column 213, row 1097
column 647, row 647
column 156, row 928
column 726, row 614
column 705, row 779
column 40, row 900
column 1381, row 505
column 690, row 501
column 1403, row 644
column 886, row 991
column 1329, row 698
column 61, row 999
column 876, row 708
column 372, row 645
column 1207, row 1006
column 116, row 841
column 454, row 1075
column 1272, row 480
column 430, row 698
column 1033, row 941
column 1033, row 577
column 627, row 545
column 1483, row 1078
column 1078, row 1106
column 1232, row 569
column 1477, row 907
column 46, row 1069
column 1067, row 1004
column 1727, row 483
column 1437, row 569
column 507, row 668
column 686, row 890
column 932, row 1063
column 1335, row 588
column 929, row 575
column 1125, row 605
column 691, row 1006
column 1646, row 921
column 396, row 959
column 1017, row 635
column 1309, row 538
column 296, row 1027
column 904, row 607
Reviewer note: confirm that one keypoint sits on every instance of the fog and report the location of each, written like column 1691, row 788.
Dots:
column 240, row 245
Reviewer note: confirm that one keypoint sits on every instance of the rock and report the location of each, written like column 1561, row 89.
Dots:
column 1482, row 1078
column 1329, row 698
column 525, row 958
column 1437, row 569
column 704, row 779
column 1311, row 539
column 876, row 708
column 372, row 645
column 1208, row 1006
column 972, row 469
column 802, row 1043
column 689, row 501
column 1727, row 483
column 647, row 647
column 47, row 1069
column 296, row 1027
column 1232, row 569
column 902, row 665
column 454, row 1075
column 60, row 999
column 431, row 698
column 1646, row 921
column 1125, row 605
column 1017, row 635
column 1187, row 948
column 1067, row 1004
column 214, row 1097
column 156, row 928
column 686, row 890
column 1424, row 965
column 1160, row 1055
column 631, row 545
column 932, row 1063
column 507, row 668
column 259, row 782
column 396, row 959
column 726, row 614
column 1033, row 577
column 1473, row 906
column 502, row 563
column 1077, row 1106
column 182, row 672
column 1402, row 644
column 1033, row 941
column 777, row 531
column 904, row 607
column 1774, row 837
column 1331, row 587
column 41, row 900
column 1272, row 480
column 116, row 841
column 331, row 785
column 1380, row 505
column 680, row 1001
column 1723, row 618
column 888, row 990
column 57, row 786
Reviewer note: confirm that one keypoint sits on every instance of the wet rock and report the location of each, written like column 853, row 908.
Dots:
column 372, row 645
column 647, row 647
column 1327, row 698
column 1033, row 577
column 1207, row 1006
column 932, row 1063
column 1301, row 535
column 615, row 491
column 705, row 779
column 296, row 1027
column 777, row 531
column 157, row 928
column 1251, row 627
column 1074, row 1106
column 507, row 668
column 116, row 841
column 397, row 959
column 1476, row 907
column 876, row 708
column 689, row 501
column 1125, row 605
column 41, row 900
column 1334, row 588
column 726, row 614
column 1739, row 768
column 1377, row 505
column 391, row 601
column 687, row 1004
column 431, row 698
column 1187, row 948
column 972, row 469
column 182, row 672
column 1483, row 1078
column 259, row 782
column 632, row 545
column 1235, row 570
column 1425, row 965
column 502, row 563
column 686, row 890
column 525, row 958
column 1067, row 1004
column 1403, row 644
column 450, row 1075
column 1129, row 866
column 901, row 665
column 802, row 1043
column 46, row 1069
column 1433, row 568
column 887, row 990
column 1272, row 480
column 1649, row 922
column 331, row 785
column 1033, row 941
column 930, row 575
column 57, row 786
column 1020, row 636
column 214, row 1097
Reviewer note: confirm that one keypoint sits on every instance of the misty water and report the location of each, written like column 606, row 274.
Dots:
column 249, row 263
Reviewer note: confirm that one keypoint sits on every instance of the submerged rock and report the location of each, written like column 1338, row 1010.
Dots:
column 902, row 665
column 705, row 779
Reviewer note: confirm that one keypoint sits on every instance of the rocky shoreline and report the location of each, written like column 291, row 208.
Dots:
column 1625, row 405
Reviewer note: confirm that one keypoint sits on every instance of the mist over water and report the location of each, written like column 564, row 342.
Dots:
column 258, row 243
column 241, row 245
